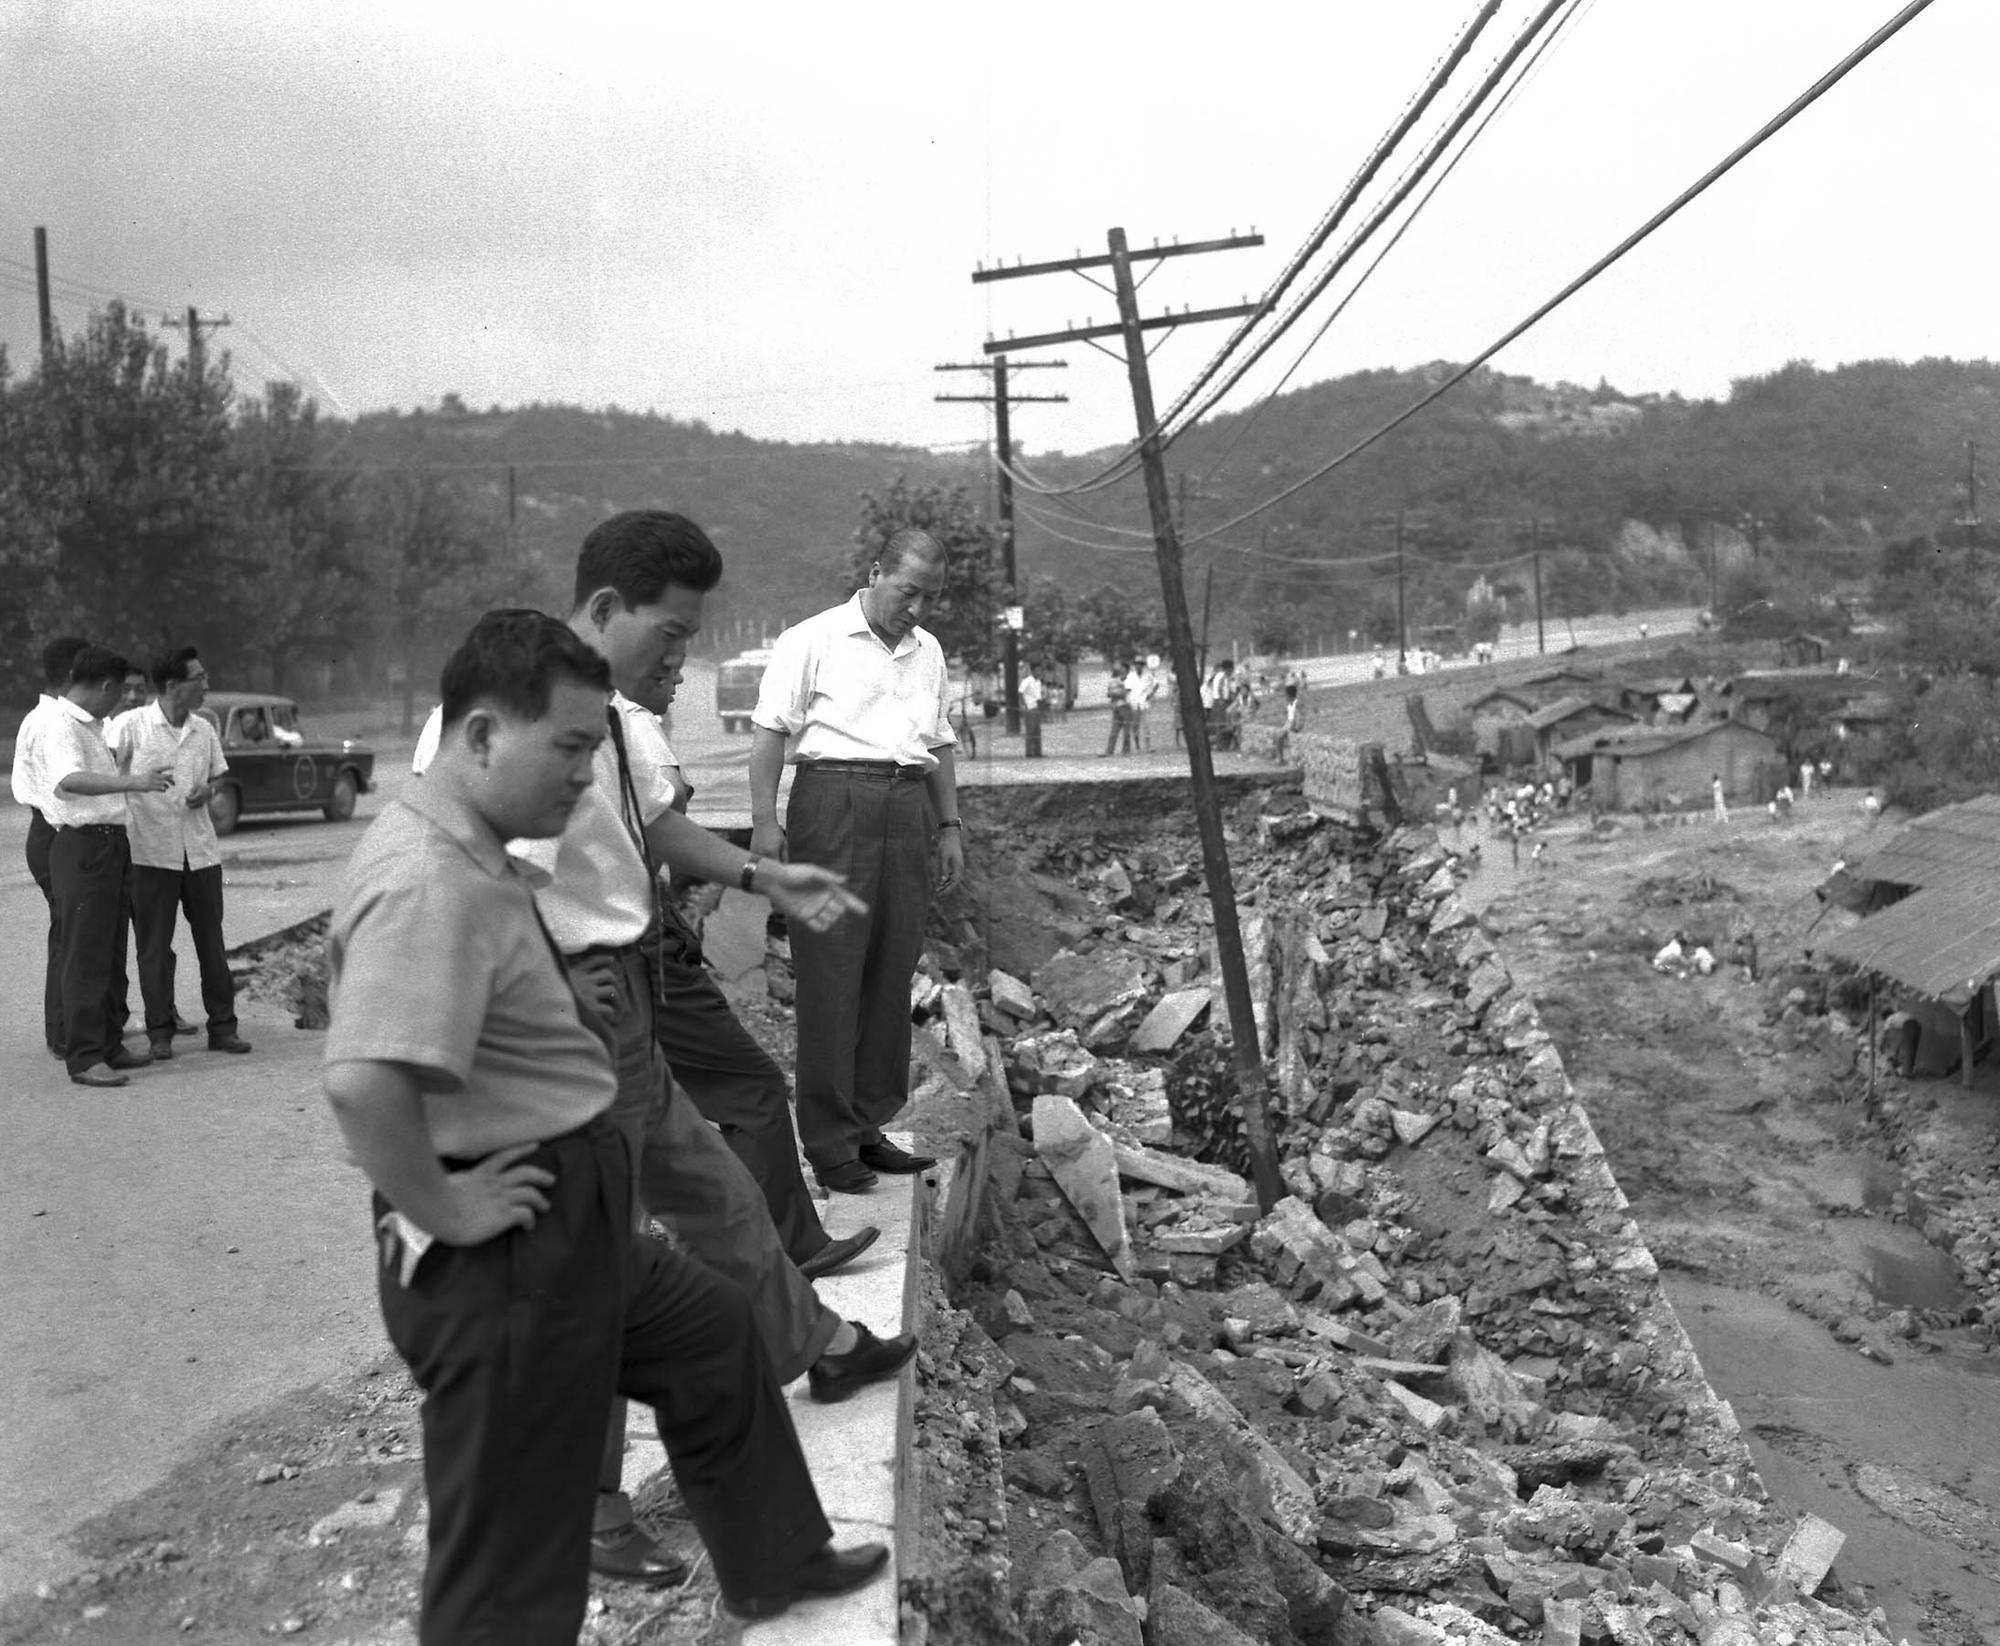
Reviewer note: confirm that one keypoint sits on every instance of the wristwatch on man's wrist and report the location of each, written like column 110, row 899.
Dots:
column 957, row 823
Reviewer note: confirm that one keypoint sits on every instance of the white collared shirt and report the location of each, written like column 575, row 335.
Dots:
column 31, row 742
column 591, row 887
column 839, row 693
column 76, row 744
column 166, row 831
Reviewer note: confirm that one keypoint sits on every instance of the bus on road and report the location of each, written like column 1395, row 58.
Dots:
column 736, row 683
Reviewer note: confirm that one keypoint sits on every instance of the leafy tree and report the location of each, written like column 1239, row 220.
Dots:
column 123, row 477
column 964, row 617
column 1116, row 625
column 303, row 584
column 434, row 563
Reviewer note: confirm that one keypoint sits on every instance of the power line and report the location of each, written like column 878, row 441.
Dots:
column 1505, row 101
column 1778, row 122
column 1323, row 231
column 1439, row 143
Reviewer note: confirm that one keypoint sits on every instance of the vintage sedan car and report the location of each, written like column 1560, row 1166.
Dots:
column 274, row 766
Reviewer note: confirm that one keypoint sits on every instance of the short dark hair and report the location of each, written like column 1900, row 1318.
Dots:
column 57, row 656
column 512, row 658
column 640, row 552
column 93, row 665
column 911, row 543
column 170, row 668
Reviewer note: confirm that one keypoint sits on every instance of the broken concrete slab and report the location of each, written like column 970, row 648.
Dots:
column 1082, row 1161
column 1070, row 1597
column 962, row 1029
column 1054, row 1062
column 1285, row 1496
column 1081, row 988
column 1809, row 1554
column 1169, row 1020
column 1011, row 995
column 1168, row 1171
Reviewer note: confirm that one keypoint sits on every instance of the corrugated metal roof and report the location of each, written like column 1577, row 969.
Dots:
column 1951, row 846
column 1943, row 942
column 1563, row 707
column 1625, row 741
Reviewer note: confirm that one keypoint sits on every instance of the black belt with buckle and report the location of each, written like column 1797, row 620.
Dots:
column 868, row 768
column 96, row 828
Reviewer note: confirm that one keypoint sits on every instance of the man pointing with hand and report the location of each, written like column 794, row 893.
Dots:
column 859, row 694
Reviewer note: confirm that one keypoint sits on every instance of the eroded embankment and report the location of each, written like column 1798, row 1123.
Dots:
column 1436, row 1394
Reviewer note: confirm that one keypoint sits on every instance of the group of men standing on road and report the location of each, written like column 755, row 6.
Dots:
column 120, row 840
column 531, row 1065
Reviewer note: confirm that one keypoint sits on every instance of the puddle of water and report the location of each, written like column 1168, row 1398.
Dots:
column 1921, row 1279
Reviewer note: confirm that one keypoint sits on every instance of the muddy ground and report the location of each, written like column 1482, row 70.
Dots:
column 1788, row 1213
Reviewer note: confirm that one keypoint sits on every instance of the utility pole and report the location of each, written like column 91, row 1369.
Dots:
column 1004, row 444
column 1246, row 1047
column 1402, row 625
column 42, row 293
column 1535, row 547
column 195, row 326
column 1971, row 481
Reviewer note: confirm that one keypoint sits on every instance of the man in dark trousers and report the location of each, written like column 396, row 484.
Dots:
column 176, row 859
column 857, row 696
column 31, row 790
column 472, row 1086
column 718, row 1062
column 88, row 860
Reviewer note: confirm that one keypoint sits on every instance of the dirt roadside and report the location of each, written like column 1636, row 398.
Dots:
column 1788, row 1214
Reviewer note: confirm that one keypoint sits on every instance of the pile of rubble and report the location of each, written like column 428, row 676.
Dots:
column 1435, row 1393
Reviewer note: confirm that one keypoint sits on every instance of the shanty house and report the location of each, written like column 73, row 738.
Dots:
column 1934, row 935
column 1492, row 715
column 1570, row 717
column 1800, row 651
column 1670, row 701
column 1655, row 768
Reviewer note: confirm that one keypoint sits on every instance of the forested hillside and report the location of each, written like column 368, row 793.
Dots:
column 143, row 505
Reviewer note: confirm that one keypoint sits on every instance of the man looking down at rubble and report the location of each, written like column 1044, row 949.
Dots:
column 860, row 695
column 473, row 1088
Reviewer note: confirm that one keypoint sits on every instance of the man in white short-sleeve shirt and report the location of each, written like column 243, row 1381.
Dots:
column 176, row 859
column 856, row 698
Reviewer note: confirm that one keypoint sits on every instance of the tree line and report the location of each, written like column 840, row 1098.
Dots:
column 145, row 504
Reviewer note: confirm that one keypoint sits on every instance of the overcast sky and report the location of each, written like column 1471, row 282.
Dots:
column 767, row 215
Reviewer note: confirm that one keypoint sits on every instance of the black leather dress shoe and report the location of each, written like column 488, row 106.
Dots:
column 837, row 1254
column 830, row 1572
column 227, row 1043
column 834, row 1378
column 630, row 1555
column 163, row 1048
column 183, row 1026
column 123, row 1057
column 98, row 1075
column 886, row 1157
column 849, row 1177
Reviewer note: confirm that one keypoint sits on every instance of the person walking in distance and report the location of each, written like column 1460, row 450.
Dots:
column 88, row 860
column 176, row 859
column 472, row 1085
column 1715, row 795
column 856, row 696
column 30, row 783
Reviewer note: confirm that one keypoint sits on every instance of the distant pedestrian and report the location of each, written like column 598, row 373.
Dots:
column 1805, row 779
column 1514, row 840
column 176, row 860
column 31, row 790
column 1715, row 795
column 87, row 863
column 1120, row 692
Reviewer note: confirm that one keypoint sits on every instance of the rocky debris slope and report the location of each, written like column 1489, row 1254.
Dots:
column 1435, row 1394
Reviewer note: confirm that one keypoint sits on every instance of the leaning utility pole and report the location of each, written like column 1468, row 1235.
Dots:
column 1247, row 1047
column 42, row 293
column 1402, row 625
column 195, row 326
column 1535, row 548
column 1004, row 443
